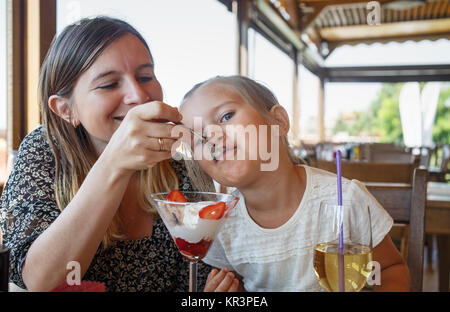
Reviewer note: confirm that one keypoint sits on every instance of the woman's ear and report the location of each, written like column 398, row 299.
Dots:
column 281, row 117
column 61, row 107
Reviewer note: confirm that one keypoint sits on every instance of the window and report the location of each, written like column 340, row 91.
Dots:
column 270, row 66
column 191, row 41
column 309, row 99
column 350, row 111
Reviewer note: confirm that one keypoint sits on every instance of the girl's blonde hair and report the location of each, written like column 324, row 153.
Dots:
column 71, row 54
column 254, row 94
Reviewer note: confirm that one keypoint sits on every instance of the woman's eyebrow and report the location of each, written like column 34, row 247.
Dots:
column 111, row 72
column 104, row 74
column 143, row 66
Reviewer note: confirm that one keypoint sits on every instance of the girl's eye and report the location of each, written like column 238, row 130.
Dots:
column 226, row 117
column 108, row 86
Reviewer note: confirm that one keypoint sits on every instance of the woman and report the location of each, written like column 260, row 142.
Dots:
column 79, row 188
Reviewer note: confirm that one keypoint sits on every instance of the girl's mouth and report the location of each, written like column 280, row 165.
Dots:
column 119, row 118
column 221, row 154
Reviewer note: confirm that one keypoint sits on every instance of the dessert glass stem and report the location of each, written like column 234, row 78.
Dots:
column 192, row 276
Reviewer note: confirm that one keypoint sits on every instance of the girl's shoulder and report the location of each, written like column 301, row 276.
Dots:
column 322, row 184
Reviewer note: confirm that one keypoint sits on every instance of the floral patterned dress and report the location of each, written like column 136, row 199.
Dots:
column 28, row 207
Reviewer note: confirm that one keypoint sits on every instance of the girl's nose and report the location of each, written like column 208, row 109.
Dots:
column 135, row 93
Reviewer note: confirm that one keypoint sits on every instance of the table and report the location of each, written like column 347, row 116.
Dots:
column 437, row 222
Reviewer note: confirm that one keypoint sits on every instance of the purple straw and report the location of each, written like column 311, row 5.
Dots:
column 341, row 222
column 339, row 191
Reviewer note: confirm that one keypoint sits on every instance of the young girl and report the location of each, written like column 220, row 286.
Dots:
column 267, row 240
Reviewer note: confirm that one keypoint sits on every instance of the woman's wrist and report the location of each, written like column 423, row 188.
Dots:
column 108, row 166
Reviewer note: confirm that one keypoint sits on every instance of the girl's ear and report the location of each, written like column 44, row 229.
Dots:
column 281, row 117
column 61, row 107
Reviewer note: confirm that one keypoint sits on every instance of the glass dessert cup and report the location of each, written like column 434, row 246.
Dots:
column 194, row 224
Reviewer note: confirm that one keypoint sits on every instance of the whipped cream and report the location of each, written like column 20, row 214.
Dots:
column 190, row 226
column 191, row 211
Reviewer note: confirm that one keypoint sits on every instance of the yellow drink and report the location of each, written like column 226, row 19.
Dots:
column 356, row 258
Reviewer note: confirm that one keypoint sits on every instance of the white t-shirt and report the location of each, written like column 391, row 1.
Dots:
column 281, row 259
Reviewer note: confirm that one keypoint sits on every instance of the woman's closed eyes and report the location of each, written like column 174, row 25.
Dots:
column 143, row 79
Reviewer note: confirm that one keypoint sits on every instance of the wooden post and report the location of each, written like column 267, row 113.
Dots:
column 31, row 26
column 321, row 111
column 295, row 99
column 15, row 73
column 241, row 9
column 39, row 32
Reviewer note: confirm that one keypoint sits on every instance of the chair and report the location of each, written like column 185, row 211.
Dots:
column 379, row 173
column 406, row 205
column 385, row 152
column 439, row 174
column 370, row 171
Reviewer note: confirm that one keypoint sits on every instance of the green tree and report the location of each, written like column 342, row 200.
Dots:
column 382, row 119
column 441, row 130
column 387, row 124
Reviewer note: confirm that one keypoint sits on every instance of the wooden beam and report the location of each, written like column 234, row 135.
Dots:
column 436, row 9
column 294, row 13
column 308, row 19
column 321, row 110
column 388, row 30
column 39, row 32
column 388, row 73
column 15, row 74
column 241, row 10
column 443, row 7
column 31, row 26
column 295, row 98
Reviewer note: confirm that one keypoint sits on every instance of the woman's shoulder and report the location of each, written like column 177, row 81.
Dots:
column 34, row 161
column 32, row 177
column 35, row 139
column 35, row 147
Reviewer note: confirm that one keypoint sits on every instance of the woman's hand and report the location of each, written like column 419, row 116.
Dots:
column 141, row 141
column 221, row 281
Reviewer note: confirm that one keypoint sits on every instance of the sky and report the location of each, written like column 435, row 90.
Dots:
column 194, row 40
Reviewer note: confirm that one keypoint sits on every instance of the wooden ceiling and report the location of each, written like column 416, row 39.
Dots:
column 332, row 23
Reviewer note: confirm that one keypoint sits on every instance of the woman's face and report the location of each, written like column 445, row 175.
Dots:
column 235, row 131
column 120, row 78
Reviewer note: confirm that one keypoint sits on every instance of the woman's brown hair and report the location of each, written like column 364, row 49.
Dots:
column 70, row 55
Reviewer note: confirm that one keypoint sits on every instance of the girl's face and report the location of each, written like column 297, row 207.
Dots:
column 234, row 129
column 120, row 78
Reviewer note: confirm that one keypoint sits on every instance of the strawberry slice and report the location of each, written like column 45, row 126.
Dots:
column 176, row 196
column 213, row 212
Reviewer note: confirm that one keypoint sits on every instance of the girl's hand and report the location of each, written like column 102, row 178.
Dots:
column 221, row 281
column 135, row 145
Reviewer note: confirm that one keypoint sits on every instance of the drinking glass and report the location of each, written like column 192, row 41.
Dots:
column 343, row 246
column 194, row 224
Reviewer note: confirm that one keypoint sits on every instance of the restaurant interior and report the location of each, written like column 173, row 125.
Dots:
column 403, row 159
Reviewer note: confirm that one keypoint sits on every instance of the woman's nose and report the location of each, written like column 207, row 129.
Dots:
column 135, row 93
